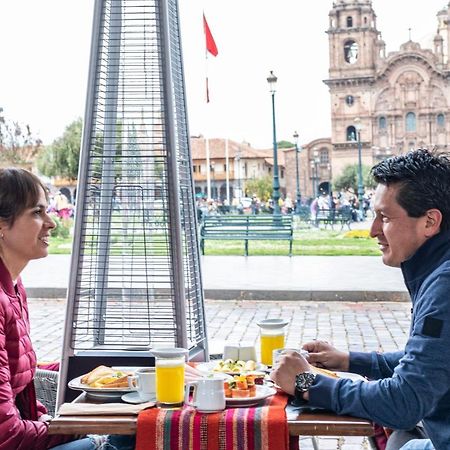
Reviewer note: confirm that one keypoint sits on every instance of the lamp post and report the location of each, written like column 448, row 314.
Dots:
column 360, row 178
column 298, row 203
column 315, row 172
column 272, row 80
column 213, row 187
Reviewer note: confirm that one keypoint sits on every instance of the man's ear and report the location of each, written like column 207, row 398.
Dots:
column 433, row 222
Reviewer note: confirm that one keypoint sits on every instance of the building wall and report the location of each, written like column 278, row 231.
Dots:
column 386, row 92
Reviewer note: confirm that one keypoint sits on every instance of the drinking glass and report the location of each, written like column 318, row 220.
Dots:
column 169, row 365
column 271, row 338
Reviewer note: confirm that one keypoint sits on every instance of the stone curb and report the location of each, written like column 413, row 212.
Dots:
column 253, row 294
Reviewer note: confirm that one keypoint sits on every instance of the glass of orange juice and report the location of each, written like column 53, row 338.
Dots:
column 271, row 338
column 169, row 371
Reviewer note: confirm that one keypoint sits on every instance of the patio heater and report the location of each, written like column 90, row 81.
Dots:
column 135, row 281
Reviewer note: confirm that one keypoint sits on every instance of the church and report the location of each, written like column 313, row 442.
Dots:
column 393, row 102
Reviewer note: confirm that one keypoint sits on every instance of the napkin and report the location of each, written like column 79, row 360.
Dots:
column 94, row 409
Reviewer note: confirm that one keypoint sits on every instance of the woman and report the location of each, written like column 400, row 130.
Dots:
column 25, row 230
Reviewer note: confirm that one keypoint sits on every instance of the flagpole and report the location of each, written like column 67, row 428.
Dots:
column 209, row 48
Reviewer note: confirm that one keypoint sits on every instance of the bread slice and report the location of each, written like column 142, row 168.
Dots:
column 95, row 374
column 118, row 383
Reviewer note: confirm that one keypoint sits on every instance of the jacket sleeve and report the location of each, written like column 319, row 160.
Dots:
column 15, row 432
column 418, row 382
column 375, row 365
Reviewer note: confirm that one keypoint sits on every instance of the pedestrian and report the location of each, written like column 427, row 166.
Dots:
column 25, row 228
column 409, row 390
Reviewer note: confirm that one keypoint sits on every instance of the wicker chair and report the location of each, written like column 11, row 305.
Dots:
column 46, row 384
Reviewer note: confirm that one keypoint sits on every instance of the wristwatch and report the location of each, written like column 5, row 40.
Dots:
column 303, row 381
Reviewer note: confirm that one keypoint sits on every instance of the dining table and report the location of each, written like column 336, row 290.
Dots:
column 306, row 423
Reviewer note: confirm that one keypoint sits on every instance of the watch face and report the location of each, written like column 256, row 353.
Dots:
column 303, row 381
column 349, row 100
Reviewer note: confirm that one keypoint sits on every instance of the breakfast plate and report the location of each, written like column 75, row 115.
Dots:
column 208, row 367
column 102, row 392
column 262, row 392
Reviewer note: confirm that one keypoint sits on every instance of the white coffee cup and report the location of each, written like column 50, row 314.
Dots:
column 208, row 396
column 144, row 382
column 277, row 353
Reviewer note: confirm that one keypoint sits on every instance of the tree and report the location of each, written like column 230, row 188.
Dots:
column 285, row 144
column 348, row 180
column 17, row 146
column 262, row 187
column 61, row 158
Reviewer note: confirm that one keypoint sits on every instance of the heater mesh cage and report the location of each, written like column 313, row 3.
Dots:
column 135, row 278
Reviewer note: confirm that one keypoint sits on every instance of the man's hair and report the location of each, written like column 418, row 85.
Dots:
column 19, row 190
column 423, row 179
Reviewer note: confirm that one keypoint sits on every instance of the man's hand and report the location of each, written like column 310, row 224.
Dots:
column 322, row 354
column 288, row 366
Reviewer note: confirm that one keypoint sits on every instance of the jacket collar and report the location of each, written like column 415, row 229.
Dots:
column 426, row 259
column 6, row 280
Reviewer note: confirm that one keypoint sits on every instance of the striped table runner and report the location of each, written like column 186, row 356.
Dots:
column 262, row 427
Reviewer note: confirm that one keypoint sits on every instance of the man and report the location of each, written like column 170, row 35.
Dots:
column 412, row 227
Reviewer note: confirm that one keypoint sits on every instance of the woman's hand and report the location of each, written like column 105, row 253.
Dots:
column 322, row 354
column 289, row 365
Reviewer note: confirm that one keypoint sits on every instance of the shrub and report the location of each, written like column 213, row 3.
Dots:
column 357, row 234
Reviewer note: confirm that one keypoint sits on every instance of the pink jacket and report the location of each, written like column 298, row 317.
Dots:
column 19, row 410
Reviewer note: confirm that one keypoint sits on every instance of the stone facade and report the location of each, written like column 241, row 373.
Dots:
column 401, row 99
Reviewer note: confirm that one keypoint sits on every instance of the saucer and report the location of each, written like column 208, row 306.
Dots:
column 133, row 397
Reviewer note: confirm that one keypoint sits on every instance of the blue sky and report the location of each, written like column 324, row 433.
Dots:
column 45, row 52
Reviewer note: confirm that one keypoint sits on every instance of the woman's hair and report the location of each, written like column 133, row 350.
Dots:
column 19, row 190
column 423, row 179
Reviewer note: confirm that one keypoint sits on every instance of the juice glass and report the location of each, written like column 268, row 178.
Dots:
column 169, row 371
column 271, row 338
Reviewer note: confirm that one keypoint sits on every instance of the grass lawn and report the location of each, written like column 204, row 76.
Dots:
column 307, row 241
column 310, row 242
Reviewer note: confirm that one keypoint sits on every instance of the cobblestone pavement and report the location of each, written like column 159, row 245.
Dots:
column 348, row 325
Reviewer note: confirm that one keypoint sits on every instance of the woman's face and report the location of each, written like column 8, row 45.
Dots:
column 28, row 237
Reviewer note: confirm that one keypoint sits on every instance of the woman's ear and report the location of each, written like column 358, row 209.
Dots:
column 433, row 222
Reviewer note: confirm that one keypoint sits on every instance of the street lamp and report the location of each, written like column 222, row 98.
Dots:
column 298, row 203
column 315, row 172
column 358, row 127
column 272, row 80
column 213, row 167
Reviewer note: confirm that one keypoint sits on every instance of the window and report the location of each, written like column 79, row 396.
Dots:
column 440, row 119
column 351, row 133
column 349, row 100
column 351, row 52
column 349, row 22
column 382, row 123
column 410, row 122
column 324, row 157
column 194, row 168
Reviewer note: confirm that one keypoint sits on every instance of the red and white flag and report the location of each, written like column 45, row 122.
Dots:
column 211, row 46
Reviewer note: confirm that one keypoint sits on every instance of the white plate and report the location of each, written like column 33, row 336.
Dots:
column 133, row 397
column 262, row 392
column 351, row 376
column 102, row 392
column 208, row 367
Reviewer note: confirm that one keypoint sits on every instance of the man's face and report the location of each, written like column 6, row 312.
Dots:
column 398, row 235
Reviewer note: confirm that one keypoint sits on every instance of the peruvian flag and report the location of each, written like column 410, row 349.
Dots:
column 211, row 46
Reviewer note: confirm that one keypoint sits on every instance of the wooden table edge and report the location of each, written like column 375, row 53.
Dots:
column 304, row 425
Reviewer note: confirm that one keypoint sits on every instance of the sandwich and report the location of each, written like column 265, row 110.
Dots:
column 105, row 377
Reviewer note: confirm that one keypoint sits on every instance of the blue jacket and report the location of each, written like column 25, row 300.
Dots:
column 414, row 384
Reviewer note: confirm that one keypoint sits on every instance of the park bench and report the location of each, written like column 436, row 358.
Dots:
column 332, row 217
column 247, row 228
